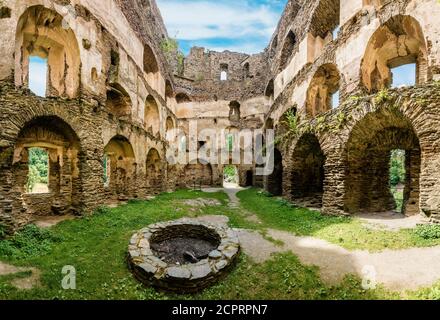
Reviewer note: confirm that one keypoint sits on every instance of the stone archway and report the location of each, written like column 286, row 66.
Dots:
column 397, row 42
column 120, row 165
column 152, row 116
column 154, row 172
column 307, row 172
column 367, row 179
column 275, row 180
column 61, row 144
column 198, row 175
column 41, row 33
column 325, row 83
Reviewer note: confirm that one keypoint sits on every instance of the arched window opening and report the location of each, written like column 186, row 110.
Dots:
column 152, row 116
column 150, row 62
column 169, row 92
column 269, row 92
column 323, row 92
column 287, row 51
column 234, row 111
column 224, row 72
column 246, row 71
column 325, row 19
column 42, row 33
column 396, row 55
column 118, row 101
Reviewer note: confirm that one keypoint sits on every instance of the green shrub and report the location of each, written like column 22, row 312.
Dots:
column 104, row 210
column 31, row 241
column 428, row 231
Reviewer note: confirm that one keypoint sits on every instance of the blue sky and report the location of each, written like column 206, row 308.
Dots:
column 236, row 25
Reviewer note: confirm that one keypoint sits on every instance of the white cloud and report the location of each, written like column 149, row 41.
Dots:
column 193, row 20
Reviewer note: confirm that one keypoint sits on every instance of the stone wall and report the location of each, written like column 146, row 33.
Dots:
column 116, row 95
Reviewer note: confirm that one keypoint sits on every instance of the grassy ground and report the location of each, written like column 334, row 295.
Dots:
column 344, row 231
column 96, row 246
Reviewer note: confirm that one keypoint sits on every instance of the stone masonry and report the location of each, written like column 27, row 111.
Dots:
column 113, row 93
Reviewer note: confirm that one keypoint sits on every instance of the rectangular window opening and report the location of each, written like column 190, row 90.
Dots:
column 38, row 75
column 38, row 175
column 404, row 75
column 335, row 99
column 398, row 177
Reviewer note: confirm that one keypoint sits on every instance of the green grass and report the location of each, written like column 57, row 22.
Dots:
column 349, row 233
column 97, row 246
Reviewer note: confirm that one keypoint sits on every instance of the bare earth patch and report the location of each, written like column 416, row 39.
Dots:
column 50, row 221
column 201, row 202
column 391, row 221
column 23, row 283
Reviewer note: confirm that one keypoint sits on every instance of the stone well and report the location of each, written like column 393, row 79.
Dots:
column 217, row 248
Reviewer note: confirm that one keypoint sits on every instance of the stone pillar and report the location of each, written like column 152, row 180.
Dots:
column 334, row 183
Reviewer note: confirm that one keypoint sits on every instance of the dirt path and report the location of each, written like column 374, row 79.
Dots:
column 397, row 270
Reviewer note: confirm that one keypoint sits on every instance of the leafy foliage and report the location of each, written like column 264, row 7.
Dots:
column 29, row 242
column 230, row 174
column 382, row 96
column 428, row 231
column 170, row 48
column 397, row 167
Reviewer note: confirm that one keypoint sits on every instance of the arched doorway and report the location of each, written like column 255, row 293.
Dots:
column 119, row 167
column 308, row 172
column 196, row 175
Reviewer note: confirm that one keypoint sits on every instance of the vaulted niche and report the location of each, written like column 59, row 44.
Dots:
column 325, row 19
column 152, row 116
column 119, row 160
column 308, row 172
column 287, row 50
column 118, row 101
column 41, row 33
column 46, row 170
column 398, row 42
column 323, row 92
column 383, row 165
column 182, row 98
column 234, row 111
column 154, row 172
column 150, row 62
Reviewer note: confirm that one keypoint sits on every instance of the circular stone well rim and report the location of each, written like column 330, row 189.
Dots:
column 152, row 271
